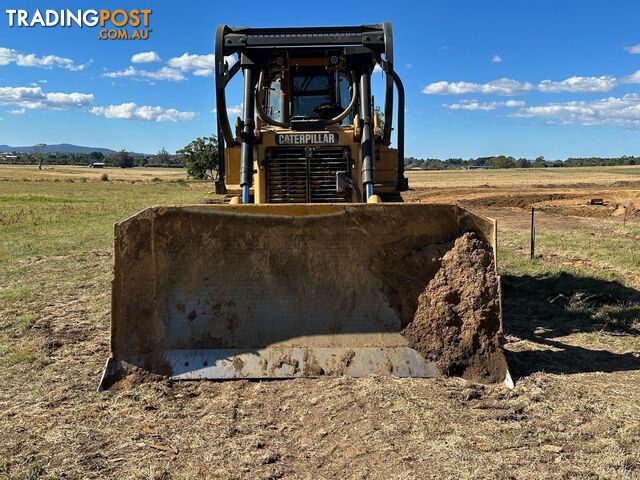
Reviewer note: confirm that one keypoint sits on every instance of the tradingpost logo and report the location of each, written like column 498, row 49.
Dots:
column 116, row 24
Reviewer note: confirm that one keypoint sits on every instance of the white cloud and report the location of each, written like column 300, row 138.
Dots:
column 165, row 73
column 408, row 65
column 235, row 110
column 496, row 58
column 513, row 103
column 634, row 49
column 623, row 110
column 502, row 86
column 473, row 104
column 508, row 87
column 145, row 57
column 200, row 65
column 177, row 67
column 470, row 105
column 604, row 83
column 9, row 55
column 377, row 69
column 131, row 111
column 633, row 78
column 34, row 97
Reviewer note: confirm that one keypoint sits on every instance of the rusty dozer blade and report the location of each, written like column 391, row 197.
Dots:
column 278, row 291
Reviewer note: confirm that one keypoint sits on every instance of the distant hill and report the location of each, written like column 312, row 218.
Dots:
column 59, row 148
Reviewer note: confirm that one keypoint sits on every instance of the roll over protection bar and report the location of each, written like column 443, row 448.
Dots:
column 364, row 44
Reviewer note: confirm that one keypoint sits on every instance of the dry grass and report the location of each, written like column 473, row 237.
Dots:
column 601, row 176
column 573, row 413
column 78, row 173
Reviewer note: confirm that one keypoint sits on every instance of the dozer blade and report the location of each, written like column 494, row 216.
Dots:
column 277, row 291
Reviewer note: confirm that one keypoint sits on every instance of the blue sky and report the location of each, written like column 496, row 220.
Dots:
column 545, row 78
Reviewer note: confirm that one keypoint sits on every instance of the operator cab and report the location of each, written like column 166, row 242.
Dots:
column 307, row 92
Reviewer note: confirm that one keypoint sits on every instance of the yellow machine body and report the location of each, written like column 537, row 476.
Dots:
column 295, row 276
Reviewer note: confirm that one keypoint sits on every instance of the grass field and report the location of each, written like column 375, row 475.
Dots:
column 572, row 325
column 524, row 177
column 75, row 173
column 419, row 178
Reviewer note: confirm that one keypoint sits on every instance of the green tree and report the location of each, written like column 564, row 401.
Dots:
column 539, row 162
column 38, row 150
column 201, row 158
column 502, row 162
column 123, row 159
column 162, row 159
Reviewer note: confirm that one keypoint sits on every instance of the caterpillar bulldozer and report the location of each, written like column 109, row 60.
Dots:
column 290, row 277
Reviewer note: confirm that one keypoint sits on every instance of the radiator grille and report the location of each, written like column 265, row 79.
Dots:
column 305, row 174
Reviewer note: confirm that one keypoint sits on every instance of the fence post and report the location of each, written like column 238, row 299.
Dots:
column 533, row 233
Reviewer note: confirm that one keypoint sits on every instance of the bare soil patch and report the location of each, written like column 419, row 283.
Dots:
column 568, row 203
column 515, row 200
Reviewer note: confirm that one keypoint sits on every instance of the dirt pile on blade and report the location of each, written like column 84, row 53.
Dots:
column 457, row 320
column 405, row 270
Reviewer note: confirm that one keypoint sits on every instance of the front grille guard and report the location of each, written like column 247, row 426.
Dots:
column 306, row 174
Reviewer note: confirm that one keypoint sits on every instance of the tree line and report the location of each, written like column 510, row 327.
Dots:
column 123, row 159
column 200, row 158
column 503, row 161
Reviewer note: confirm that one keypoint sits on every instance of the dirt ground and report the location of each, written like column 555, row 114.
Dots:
column 574, row 412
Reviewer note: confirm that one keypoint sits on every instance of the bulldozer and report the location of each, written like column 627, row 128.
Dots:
column 304, row 271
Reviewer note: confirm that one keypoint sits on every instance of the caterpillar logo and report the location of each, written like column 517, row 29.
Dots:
column 307, row 139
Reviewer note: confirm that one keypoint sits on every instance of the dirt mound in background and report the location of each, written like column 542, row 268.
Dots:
column 516, row 201
column 457, row 320
column 611, row 209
